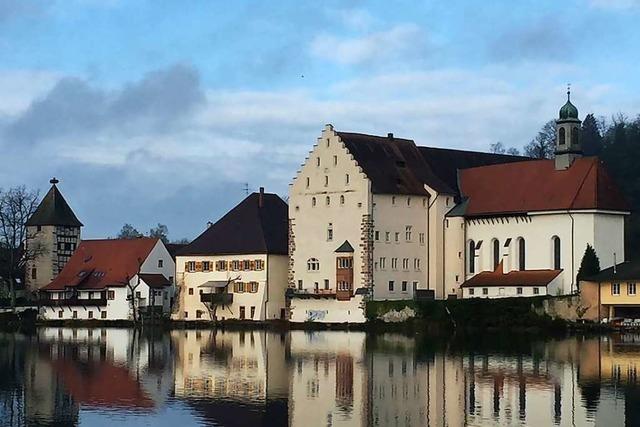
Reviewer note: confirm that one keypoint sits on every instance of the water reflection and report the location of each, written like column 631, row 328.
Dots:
column 64, row 376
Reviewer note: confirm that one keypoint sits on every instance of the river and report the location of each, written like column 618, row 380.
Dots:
column 111, row 376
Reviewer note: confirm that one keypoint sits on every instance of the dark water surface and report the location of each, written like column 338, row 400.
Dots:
column 110, row 377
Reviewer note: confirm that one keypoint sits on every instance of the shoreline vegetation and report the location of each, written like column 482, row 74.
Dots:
column 442, row 317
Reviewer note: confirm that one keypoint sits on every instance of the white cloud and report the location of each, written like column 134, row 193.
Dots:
column 404, row 42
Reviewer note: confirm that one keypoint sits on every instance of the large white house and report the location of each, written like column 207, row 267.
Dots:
column 237, row 268
column 113, row 279
column 382, row 218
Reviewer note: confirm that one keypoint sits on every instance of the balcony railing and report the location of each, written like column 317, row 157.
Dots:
column 73, row 302
column 224, row 298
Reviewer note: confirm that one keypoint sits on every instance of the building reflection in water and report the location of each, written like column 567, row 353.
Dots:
column 65, row 376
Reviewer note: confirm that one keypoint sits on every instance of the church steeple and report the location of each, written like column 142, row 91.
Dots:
column 568, row 144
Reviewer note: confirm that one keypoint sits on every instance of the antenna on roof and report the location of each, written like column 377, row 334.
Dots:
column 245, row 188
column 53, row 181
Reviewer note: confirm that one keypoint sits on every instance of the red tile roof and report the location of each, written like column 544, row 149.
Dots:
column 536, row 185
column 97, row 264
column 512, row 278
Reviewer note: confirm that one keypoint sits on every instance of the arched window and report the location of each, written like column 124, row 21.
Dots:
column 472, row 257
column 342, row 200
column 574, row 136
column 313, row 264
column 330, row 232
column 313, row 201
column 496, row 253
column 556, row 252
column 561, row 136
column 522, row 254
column 328, row 200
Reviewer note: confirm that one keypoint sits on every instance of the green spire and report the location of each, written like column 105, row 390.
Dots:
column 568, row 110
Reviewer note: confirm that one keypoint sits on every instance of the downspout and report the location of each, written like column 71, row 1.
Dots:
column 266, row 285
column 444, row 271
column 573, row 251
column 429, row 205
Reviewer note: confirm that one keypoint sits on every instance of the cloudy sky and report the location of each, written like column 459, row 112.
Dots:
column 160, row 111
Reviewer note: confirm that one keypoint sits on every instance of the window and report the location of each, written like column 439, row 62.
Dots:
column 501, row 291
column 496, row 253
column 407, row 233
column 90, row 314
column 394, row 263
column 390, row 285
column 308, row 182
column 346, row 179
column 206, row 265
column 318, row 162
column 326, row 180
column 239, row 287
column 235, row 265
column 259, row 264
column 39, row 228
column 415, row 285
column 316, row 287
column 472, row 291
column 536, row 291
column 377, row 235
column 404, row 286
column 103, row 314
column 405, row 264
column 421, row 237
column 246, row 265
column 111, row 295
column 408, row 201
column 34, row 273
column 345, row 262
column 416, row 264
column 186, row 314
column 574, row 136
column 253, row 312
column 383, row 263
column 387, row 236
column 191, row 266
column 472, row 257
column 198, row 314
column 485, row 291
column 160, row 263
column 631, row 288
column 342, row 200
column 556, row 252
column 60, row 314
column 75, row 314
column 519, row 291
column 190, row 291
column 221, row 265
column 313, row 264
column 299, row 284
column 521, row 254
column 326, row 284
column 615, row 289
column 335, row 160
column 397, row 236
column 313, row 201
column 393, row 200
column 561, row 136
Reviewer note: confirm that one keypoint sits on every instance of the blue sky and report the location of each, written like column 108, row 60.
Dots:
column 160, row 111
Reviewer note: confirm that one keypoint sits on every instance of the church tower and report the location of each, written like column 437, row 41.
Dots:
column 53, row 233
column 568, row 143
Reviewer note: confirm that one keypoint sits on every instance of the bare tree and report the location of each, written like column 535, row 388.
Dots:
column 17, row 205
column 134, row 303
column 543, row 145
column 213, row 307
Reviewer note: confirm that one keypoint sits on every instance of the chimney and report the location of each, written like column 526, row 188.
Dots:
column 261, row 197
column 209, row 224
column 390, row 135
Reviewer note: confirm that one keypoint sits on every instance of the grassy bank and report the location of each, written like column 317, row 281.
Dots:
column 472, row 314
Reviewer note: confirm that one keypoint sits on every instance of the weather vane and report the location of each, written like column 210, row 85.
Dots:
column 569, row 91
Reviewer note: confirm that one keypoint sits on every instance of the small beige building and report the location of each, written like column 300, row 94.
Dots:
column 237, row 268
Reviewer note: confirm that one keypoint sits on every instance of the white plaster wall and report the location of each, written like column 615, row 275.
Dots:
column 538, row 230
column 454, row 272
column 609, row 238
column 327, row 310
column 310, row 223
column 439, row 205
column 277, row 273
column 504, row 292
column 192, row 280
column 392, row 214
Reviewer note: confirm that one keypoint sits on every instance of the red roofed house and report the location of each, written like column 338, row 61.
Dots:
column 525, row 225
column 99, row 279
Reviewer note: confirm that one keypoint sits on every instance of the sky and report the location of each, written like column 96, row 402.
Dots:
column 161, row 111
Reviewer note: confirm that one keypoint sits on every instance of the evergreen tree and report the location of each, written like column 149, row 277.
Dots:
column 590, row 264
column 591, row 137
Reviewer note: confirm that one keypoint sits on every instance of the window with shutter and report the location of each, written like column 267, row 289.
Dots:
column 252, row 265
column 198, row 265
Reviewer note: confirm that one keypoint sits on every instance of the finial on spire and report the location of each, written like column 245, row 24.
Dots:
column 568, row 91
column 53, row 181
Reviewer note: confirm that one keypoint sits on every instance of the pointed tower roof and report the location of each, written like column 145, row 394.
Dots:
column 54, row 210
column 568, row 111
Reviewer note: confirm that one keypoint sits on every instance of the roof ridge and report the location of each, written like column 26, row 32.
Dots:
column 584, row 180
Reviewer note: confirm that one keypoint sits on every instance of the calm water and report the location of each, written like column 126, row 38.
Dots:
column 93, row 377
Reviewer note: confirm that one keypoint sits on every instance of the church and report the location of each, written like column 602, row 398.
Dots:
column 382, row 218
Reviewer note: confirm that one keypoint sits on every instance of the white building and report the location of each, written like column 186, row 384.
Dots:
column 382, row 218
column 117, row 279
column 237, row 268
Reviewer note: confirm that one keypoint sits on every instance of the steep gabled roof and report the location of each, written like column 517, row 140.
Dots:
column 537, row 186
column 398, row 166
column 54, row 210
column 345, row 247
column 97, row 264
column 246, row 229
